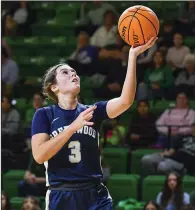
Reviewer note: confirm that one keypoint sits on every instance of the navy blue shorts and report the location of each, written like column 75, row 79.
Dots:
column 94, row 198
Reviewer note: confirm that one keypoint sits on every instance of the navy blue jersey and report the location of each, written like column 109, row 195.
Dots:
column 79, row 158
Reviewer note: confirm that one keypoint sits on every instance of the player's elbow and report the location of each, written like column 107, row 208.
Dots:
column 38, row 158
column 127, row 102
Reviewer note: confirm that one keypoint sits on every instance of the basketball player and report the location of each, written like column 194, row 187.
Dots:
column 65, row 138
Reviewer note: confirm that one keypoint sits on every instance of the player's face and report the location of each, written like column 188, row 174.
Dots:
column 67, row 81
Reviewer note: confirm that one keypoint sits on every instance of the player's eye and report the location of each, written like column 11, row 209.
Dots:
column 64, row 72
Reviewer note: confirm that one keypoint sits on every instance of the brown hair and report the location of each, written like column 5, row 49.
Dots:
column 48, row 80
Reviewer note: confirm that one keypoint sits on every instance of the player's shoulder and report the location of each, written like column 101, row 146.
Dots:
column 46, row 110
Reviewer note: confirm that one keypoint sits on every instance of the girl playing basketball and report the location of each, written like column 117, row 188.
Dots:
column 65, row 138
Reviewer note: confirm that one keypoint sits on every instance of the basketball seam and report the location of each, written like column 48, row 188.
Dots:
column 140, row 27
column 149, row 21
column 130, row 24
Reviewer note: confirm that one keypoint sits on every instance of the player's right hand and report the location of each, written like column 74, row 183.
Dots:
column 84, row 118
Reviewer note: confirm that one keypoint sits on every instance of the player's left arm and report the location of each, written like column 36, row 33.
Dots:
column 117, row 106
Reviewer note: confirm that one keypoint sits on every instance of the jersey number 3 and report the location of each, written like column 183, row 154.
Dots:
column 75, row 148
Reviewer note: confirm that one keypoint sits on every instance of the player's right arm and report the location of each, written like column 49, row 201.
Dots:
column 42, row 148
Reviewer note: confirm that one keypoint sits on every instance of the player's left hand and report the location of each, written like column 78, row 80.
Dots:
column 140, row 49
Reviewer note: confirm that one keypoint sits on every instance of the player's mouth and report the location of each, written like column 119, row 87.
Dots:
column 75, row 80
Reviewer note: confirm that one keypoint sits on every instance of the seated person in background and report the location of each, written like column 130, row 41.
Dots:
column 151, row 205
column 106, row 34
column 9, row 74
column 177, row 121
column 115, row 134
column 18, row 20
column 30, row 203
column 10, row 120
column 172, row 196
column 176, row 54
column 34, row 181
column 84, row 56
column 144, row 62
column 90, row 20
column 165, row 39
column 186, row 79
column 5, row 202
column 185, row 22
column 7, row 48
column 112, row 85
column 157, row 80
column 111, row 56
column 142, row 132
column 112, row 51
column 180, row 157
column 37, row 103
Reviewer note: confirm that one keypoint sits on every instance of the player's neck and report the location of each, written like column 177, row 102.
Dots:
column 67, row 102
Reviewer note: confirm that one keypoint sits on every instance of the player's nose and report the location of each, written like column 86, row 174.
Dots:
column 74, row 74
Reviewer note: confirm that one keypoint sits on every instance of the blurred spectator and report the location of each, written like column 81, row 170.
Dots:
column 90, row 20
column 31, row 200
column 112, row 51
column 30, row 207
column 176, row 54
column 9, row 72
column 106, row 34
column 115, row 134
column 18, row 19
column 37, row 103
column 186, row 19
column 147, row 57
column 10, row 124
column 157, row 80
column 10, row 120
column 144, row 61
column 5, row 202
column 6, row 46
column 34, row 181
column 84, row 56
column 179, row 157
column 30, row 203
column 172, row 195
column 165, row 39
column 142, row 132
column 112, row 85
column 186, row 79
column 177, row 120
column 151, row 205
column 112, row 57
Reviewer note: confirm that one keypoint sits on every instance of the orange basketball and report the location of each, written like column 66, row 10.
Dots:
column 137, row 25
